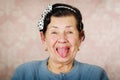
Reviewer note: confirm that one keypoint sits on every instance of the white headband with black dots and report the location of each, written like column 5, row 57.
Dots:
column 45, row 12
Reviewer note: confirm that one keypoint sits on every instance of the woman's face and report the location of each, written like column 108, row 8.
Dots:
column 62, row 39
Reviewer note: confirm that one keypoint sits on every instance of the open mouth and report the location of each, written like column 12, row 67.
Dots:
column 63, row 51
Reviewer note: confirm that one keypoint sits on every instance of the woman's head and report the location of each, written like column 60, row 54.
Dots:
column 62, row 32
column 61, row 10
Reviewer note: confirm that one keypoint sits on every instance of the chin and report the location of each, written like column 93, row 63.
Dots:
column 64, row 60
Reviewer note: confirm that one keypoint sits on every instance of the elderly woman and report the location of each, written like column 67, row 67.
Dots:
column 61, row 31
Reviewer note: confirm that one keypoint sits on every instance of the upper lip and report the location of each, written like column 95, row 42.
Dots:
column 63, row 47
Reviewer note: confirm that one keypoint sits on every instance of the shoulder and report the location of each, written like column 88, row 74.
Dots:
column 92, row 71
column 26, row 71
column 29, row 65
column 90, row 67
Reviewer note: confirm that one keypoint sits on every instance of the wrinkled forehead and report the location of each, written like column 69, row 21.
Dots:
column 63, row 22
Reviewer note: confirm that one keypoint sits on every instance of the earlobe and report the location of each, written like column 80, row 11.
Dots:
column 42, row 36
column 81, row 38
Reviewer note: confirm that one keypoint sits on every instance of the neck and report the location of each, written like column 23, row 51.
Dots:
column 59, row 67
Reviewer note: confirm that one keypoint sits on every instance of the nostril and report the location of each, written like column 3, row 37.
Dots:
column 62, row 41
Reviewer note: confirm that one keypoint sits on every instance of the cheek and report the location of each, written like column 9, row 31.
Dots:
column 74, row 41
column 51, row 41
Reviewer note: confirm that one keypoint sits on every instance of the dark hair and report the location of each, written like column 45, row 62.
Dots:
column 59, row 10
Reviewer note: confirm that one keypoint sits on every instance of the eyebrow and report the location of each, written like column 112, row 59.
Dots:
column 54, row 27
column 65, row 27
column 68, row 26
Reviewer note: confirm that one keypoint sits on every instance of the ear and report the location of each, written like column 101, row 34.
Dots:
column 42, row 36
column 82, row 35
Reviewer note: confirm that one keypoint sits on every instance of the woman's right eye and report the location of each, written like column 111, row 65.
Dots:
column 53, row 32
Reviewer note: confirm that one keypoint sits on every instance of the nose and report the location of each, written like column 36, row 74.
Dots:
column 62, row 38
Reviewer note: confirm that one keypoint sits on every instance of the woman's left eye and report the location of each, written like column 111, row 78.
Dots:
column 69, row 32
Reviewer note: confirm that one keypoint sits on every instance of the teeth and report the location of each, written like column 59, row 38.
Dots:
column 63, row 52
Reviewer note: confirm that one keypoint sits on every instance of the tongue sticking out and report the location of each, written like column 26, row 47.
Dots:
column 63, row 51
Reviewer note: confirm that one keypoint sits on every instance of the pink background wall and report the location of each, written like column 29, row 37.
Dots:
column 20, row 41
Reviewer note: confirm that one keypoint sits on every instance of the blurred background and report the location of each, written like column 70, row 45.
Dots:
column 20, row 41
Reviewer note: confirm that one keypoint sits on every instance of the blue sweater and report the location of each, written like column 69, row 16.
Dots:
column 38, row 70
